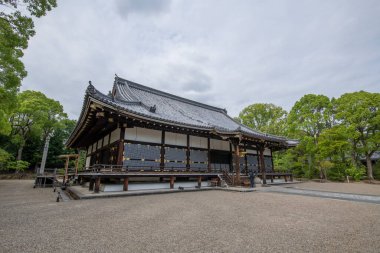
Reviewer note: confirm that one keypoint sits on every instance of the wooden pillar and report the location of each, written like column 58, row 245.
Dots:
column 237, row 163
column 97, row 185
column 92, row 181
column 171, row 182
column 199, row 181
column 188, row 152
column 262, row 163
column 162, row 155
column 208, row 155
column 66, row 170
column 120, row 153
column 125, row 184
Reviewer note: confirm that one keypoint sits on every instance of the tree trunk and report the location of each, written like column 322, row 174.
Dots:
column 369, row 167
column 19, row 153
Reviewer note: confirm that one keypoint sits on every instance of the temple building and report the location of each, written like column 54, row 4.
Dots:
column 137, row 131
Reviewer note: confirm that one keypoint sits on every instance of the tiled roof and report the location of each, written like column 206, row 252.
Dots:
column 139, row 99
column 144, row 101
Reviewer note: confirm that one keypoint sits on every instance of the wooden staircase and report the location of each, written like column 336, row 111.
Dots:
column 226, row 178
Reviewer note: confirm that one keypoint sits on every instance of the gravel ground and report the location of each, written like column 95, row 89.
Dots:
column 354, row 187
column 210, row 221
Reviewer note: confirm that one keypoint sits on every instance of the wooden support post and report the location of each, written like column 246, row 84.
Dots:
column 286, row 178
column 92, row 181
column 97, row 185
column 66, row 170
column 237, row 163
column 271, row 179
column 262, row 163
column 188, row 153
column 208, row 155
column 291, row 178
column 199, row 182
column 171, row 182
column 125, row 185
column 162, row 161
column 120, row 153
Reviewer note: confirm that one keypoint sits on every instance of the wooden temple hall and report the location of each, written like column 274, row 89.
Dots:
column 136, row 132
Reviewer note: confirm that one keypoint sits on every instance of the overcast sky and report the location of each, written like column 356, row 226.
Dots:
column 225, row 53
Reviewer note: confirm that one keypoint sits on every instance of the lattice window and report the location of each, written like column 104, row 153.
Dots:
column 198, row 160
column 268, row 164
column 252, row 163
column 175, row 158
column 142, row 157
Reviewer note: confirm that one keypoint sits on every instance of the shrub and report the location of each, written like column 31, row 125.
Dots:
column 355, row 173
column 18, row 165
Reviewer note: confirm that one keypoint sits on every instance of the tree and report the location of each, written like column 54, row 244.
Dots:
column 267, row 118
column 15, row 31
column 35, row 113
column 359, row 113
column 306, row 120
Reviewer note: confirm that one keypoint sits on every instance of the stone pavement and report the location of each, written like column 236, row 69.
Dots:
column 322, row 194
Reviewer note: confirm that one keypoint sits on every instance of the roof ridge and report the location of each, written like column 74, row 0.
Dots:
column 165, row 94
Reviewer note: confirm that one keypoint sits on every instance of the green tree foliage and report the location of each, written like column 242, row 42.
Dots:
column 267, row 118
column 16, row 28
column 309, row 116
column 35, row 115
column 359, row 114
column 5, row 157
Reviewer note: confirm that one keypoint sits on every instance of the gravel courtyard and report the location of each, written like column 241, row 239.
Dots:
column 210, row 221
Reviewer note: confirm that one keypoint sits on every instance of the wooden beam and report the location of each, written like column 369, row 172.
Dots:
column 125, row 184
column 171, row 182
column 199, row 181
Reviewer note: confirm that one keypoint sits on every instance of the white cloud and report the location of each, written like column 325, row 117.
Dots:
column 225, row 53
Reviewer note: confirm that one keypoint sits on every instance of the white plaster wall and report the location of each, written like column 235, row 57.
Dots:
column 100, row 143
column 220, row 145
column 175, row 139
column 267, row 151
column 115, row 135
column 143, row 134
column 105, row 140
column 198, row 142
column 88, row 161
column 251, row 151
column 89, row 150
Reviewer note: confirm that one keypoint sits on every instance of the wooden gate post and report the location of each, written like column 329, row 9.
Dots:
column 171, row 182
column 97, row 185
column 125, row 185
